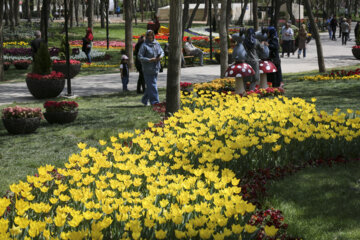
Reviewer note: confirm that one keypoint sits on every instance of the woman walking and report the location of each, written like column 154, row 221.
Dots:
column 150, row 54
column 302, row 40
column 345, row 28
column 141, row 81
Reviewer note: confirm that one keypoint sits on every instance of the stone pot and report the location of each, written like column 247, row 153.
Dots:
column 21, row 125
column 45, row 88
column 60, row 117
column 356, row 52
column 74, row 69
column 21, row 66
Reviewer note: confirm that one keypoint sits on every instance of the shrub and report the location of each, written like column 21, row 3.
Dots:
column 42, row 61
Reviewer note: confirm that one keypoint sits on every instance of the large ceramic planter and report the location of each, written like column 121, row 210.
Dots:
column 60, row 117
column 21, row 66
column 21, row 126
column 356, row 52
column 74, row 69
column 6, row 67
column 45, row 88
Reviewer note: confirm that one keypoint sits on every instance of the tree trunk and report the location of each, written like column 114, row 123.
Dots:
column 1, row 41
column 90, row 13
column 316, row 35
column 242, row 15
column 185, row 14
column 193, row 14
column 276, row 14
column 255, row 15
column 223, row 39
column 134, row 8
column 28, row 9
column 77, row 4
column 142, row 10
column 102, row 14
column 356, row 8
column 6, row 12
column 228, row 15
column 156, row 6
column 16, row 12
column 175, row 48
column 216, row 15
column 44, row 21
column 128, row 31
column 11, row 15
column 38, row 8
column 71, row 13
column 290, row 11
column 206, row 10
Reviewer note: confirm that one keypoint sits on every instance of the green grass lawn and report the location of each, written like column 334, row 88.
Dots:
column 99, row 118
column 320, row 203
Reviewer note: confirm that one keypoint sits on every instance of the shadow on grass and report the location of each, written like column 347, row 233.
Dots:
column 320, row 203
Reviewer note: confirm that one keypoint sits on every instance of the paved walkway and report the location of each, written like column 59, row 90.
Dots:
column 335, row 54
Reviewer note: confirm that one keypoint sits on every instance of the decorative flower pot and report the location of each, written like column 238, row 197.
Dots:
column 21, row 66
column 356, row 52
column 6, row 67
column 45, row 88
column 74, row 69
column 21, row 125
column 60, row 117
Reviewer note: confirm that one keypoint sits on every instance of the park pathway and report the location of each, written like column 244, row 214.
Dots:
column 336, row 56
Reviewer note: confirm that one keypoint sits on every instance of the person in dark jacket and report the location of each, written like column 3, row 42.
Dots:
column 333, row 25
column 273, row 44
column 141, row 81
column 35, row 44
column 356, row 30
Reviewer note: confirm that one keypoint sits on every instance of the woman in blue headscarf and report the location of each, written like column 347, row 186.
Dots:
column 273, row 44
column 253, row 47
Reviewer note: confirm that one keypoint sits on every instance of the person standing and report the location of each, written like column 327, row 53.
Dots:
column 253, row 47
column 356, row 30
column 141, row 81
column 287, row 40
column 345, row 28
column 328, row 21
column 302, row 40
column 150, row 54
column 124, row 71
column 333, row 25
column 190, row 49
column 35, row 44
column 87, row 40
column 273, row 44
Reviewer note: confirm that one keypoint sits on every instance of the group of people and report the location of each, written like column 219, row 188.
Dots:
column 344, row 26
column 288, row 40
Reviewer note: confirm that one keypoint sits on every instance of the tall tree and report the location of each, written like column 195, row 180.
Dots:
column 223, row 39
column 71, row 12
column 128, row 31
column 316, row 35
column 193, row 14
column 11, row 15
column 289, row 8
column 175, row 48
column 6, row 12
column 102, row 14
column 142, row 10
column 28, row 10
column 76, row 5
column 228, row 15
column 90, row 13
column 206, row 10
column 16, row 12
column 242, row 14
column 44, row 21
column 255, row 15
column 1, row 41
column 185, row 16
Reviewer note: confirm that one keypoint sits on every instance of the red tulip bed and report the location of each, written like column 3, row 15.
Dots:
column 101, row 44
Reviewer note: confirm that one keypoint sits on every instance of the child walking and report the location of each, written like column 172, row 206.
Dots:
column 124, row 70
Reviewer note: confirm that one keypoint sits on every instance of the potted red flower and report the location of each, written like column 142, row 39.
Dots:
column 61, row 112
column 42, row 83
column 60, row 66
column 6, row 65
column 356, row 48
column 22, row 64
column 21, row 120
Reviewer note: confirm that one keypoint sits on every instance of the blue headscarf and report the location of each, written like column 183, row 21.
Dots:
column 249, row 41
column 272, row 32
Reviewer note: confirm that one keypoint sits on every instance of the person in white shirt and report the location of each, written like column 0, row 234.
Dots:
column 190, row 49
column 287, row 40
